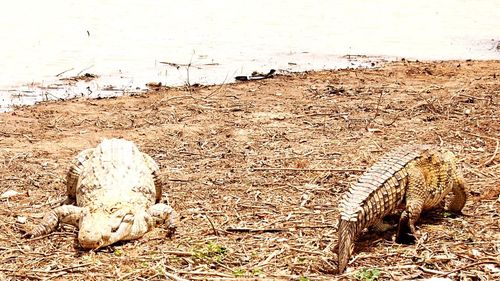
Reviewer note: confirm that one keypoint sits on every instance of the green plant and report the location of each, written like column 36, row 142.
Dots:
column 118, row 252
column 366, row 274
column 257, row 271
column 211, row 251
column 303, row 278
column 239, row 272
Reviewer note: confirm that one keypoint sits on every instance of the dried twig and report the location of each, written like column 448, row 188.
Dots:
column 232, row 229
column 178, row 253
column 204, row 273
column 331, row 114
column 216, row 232
column 61, row 73
column 493, row 156
column 271, row 256
column 428, row 270
column 307, row 170
column 174, row 277
column 471, row 265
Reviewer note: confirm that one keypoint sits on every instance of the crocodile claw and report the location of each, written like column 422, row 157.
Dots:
column 171, row 230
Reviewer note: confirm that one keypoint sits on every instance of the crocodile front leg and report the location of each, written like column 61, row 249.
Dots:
column 162, row 213
column 143, row 221
column 63, row 214
column 125, row 231
column 415, row 196
column 133, row 226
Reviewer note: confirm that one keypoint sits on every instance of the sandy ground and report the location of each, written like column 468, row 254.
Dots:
column 256, row 170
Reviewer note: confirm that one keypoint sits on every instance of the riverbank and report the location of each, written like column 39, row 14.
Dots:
column 247, row 167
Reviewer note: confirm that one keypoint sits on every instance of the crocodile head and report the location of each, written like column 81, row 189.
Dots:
column 100, row 228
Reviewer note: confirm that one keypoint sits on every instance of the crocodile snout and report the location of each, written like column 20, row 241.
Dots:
column 94, row 231
column 89, row 239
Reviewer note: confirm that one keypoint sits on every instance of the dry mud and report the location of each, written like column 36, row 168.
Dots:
column 256, row 170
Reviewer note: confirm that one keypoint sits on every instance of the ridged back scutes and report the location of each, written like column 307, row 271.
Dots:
column 75, row 170
column 369, row 186
column 113, row 158
column 116, row 171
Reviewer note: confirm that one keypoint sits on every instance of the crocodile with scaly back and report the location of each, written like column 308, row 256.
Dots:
column 117, row 196
column 415, row 178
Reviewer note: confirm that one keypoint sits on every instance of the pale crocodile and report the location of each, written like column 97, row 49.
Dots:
column 117, row 196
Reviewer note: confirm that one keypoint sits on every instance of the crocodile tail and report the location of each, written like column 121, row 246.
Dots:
column 347, row 233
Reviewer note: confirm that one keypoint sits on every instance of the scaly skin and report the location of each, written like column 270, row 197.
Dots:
column 116, row 196
column 415, row 177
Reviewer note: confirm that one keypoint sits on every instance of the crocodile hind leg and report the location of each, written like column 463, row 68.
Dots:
column 415, row 196
column 63, row 214
column 150, row 162
column 459, row 195
column 164, row 213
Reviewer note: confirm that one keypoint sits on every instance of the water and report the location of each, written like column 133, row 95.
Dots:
column 125, row 43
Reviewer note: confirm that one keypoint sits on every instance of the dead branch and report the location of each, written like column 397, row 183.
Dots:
column 307, row 170
column 493, row 156
column 247, row 230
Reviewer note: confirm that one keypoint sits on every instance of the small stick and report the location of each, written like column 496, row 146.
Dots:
column 307, row 252
column 176, row 97
column 85, row 69
column 471, row 265
column 479, row 136
column 271, row 256
column 62, row 269
column 322, row 114
column 493, row 156
column 61, row 73
column 207, row 273
column 216, row 90
column 128, row 274
column 212, row 224
column 228, row 278
column 306, row 170
column 428, row 270
column 231, row 229
column 179, row 180
column 178, row 253
column 174, row 277
column 316, row 226
column 176, row 65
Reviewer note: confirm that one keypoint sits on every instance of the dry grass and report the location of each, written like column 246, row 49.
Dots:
column 256, row 171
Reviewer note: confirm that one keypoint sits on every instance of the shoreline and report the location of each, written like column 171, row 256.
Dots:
column 96, row 86
column 70, row 84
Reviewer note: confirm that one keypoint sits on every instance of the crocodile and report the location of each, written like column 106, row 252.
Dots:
column 117, row 195
column 411, row 179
